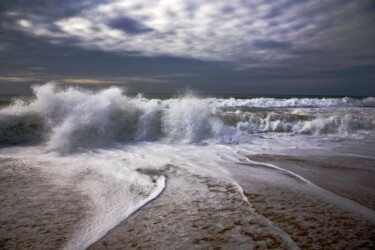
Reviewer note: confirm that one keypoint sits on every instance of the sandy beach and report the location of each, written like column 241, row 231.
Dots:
column 195, row 212
column 280, row 210
column 315, row 216
column 35, row 212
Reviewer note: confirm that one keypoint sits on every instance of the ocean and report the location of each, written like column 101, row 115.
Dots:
column 115, row 156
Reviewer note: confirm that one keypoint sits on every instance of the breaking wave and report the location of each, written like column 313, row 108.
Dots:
column 72, row 117
column 293, row 102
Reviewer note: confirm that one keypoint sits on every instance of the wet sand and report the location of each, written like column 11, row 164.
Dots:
column 312, row 217
column 36, row 213
column 195, row 212
column 348, row 176
column 316, row 216
column 201, row 212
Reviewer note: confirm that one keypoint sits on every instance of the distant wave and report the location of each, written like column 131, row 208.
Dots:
column 72, row 117
column 293, row 102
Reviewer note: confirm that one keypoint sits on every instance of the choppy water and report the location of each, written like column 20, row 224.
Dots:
column 72, row 118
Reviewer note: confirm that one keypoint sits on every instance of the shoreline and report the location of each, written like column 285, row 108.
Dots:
column 198, row 211
column 212, row 215
column 315, row 217
column 347, row 176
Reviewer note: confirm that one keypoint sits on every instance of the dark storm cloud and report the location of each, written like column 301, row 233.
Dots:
column 49, row 9
column 129, row 26
column 213, row 46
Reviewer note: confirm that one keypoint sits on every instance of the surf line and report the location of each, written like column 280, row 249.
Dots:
column 161, row 184
column 93, row 236
column 283, row 234
column 160, row 187
column 287, row 172
column 329, row 196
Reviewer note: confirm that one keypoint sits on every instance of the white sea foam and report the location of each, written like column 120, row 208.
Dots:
column 293, row 102
column 190, row 120
column 71, row 118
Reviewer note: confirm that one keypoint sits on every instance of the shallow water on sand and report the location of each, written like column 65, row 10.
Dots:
column 111, row 184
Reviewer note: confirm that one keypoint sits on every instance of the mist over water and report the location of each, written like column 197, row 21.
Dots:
column 67, row 118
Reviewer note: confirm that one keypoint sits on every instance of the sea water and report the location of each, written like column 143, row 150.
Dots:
column 108, row 139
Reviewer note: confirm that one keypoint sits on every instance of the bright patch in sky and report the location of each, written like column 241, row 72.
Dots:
column 250, row 33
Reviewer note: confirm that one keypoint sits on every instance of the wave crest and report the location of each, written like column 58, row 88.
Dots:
column 72, row 117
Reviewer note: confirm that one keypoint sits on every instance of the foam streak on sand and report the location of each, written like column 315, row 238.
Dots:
column 111, row 191
column 196, row 211
column 340, row 201
column 281, row 170
column 102, row 224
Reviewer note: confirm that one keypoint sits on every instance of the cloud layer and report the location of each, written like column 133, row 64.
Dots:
column 250, row 33
column 258, row 46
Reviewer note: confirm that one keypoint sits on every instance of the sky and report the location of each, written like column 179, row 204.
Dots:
column 285, row 47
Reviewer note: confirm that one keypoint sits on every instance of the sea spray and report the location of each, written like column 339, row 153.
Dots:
column 70, row 118
column 190, row 120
